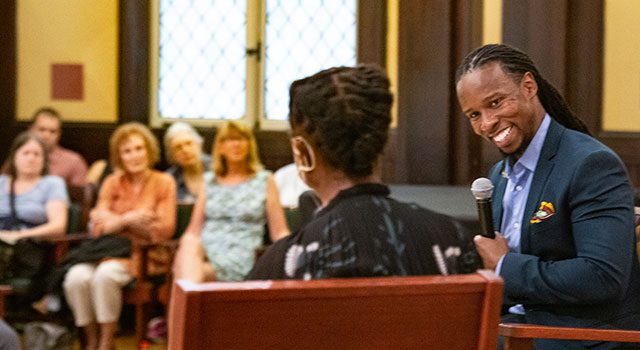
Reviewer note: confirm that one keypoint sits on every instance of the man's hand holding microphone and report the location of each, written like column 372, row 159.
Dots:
column 490, row 245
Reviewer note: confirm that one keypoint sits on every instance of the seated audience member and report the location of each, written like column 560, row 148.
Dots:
column 563, row 203
column 183, row 148
column 8, row 337
column 340, row 122
column 98, row 171
column 295, row 195
column 135, row 202
column 32, row 203
column 290, row 185
column 229, row 216
column 65, row 163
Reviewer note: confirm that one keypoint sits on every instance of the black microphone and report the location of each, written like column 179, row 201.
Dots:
column 482, row 189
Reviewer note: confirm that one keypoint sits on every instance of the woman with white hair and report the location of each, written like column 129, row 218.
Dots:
column 183, row 148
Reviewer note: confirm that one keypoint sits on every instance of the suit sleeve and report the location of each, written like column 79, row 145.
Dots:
column 599, row 221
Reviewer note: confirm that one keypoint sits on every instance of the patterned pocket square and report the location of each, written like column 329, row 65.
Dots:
column 546, row 211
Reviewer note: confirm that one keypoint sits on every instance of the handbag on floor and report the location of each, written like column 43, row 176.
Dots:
column 47, row 336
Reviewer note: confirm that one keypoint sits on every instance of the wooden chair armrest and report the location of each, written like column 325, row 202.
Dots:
column 144, row 247
column 61, row 244
column 4, row 290
column 67, row 238
column 171, row 243
column 520, row 336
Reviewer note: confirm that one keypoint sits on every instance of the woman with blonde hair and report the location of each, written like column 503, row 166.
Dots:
column 137, row 203
column 228, row 219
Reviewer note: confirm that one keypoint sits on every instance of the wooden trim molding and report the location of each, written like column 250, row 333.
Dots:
column 133, row 77
column 7, row 72
column 466, row 148
column 434, row 143
column 372, row 32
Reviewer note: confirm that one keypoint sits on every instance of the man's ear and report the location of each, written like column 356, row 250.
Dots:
column 529, row 84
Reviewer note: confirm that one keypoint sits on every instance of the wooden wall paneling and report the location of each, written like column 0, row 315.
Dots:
column 371, row 48
column 466, row 35
column 539, row 29
column 424, row 92
column 133, row 88
column 7, row 74
column 585, row 60
column 275, row 149
column 389, row 165
column 627, row 146
column 372, row 32
column 90, row 140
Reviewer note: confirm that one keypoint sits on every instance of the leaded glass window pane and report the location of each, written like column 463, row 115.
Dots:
column 202, row 69
column 303, row 37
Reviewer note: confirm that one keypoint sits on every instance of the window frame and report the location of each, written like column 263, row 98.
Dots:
column 255, row 114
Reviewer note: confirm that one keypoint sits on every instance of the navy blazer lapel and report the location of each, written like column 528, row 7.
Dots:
column 540, row 177
column 498, row 194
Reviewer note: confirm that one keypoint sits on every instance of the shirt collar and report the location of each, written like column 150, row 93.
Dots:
column 375, row 189
column 530, row 156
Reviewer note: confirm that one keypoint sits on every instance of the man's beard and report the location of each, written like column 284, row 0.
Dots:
column 515, row 155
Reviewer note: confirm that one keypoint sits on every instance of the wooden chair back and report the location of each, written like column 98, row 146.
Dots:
column 183, row 217
column 4, row 290
column 428, row 312
column 82, row 200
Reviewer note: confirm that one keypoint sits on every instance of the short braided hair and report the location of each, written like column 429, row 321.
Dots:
column 516, row 63
column 346, row 112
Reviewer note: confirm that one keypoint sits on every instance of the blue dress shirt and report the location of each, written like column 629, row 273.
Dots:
column 519, row 176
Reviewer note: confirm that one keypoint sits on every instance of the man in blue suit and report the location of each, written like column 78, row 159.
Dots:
column 563, row 203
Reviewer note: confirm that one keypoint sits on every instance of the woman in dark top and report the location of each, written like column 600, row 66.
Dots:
column 339, row 121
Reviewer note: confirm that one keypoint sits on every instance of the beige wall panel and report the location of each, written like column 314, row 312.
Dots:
column 621, row 83
column 68, row 32
column 492, row 22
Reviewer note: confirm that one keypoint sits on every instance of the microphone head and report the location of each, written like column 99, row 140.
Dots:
column 482, row 188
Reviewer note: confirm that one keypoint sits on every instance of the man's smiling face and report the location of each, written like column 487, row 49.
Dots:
column 499, row 107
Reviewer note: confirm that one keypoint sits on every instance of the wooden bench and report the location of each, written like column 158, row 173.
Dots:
column 428, row 312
